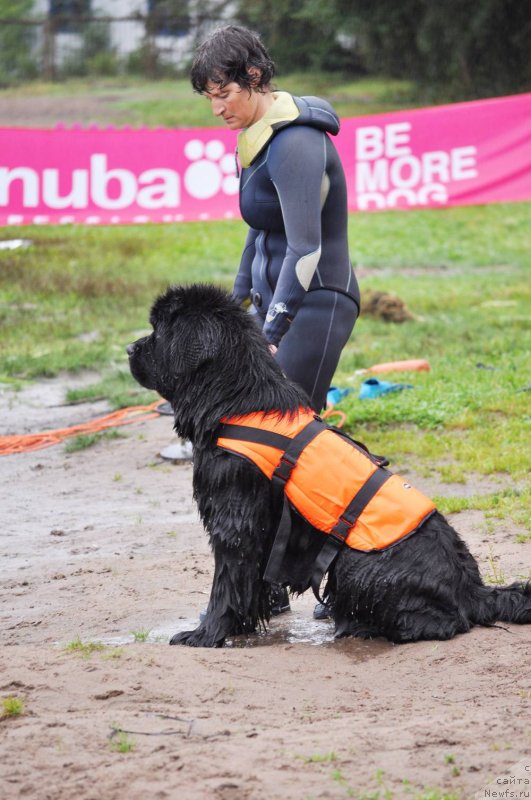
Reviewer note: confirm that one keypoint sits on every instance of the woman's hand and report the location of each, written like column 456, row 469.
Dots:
column 273, row 349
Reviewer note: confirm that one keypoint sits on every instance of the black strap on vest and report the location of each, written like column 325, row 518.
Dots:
column 244, row 433
column 276, row 557
column 363, row 496
column 280, row 477
column 289, row 459
column 293, row 448
column 338, row 535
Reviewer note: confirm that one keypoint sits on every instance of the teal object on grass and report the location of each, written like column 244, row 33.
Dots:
column 334, row 395
column 372, row 387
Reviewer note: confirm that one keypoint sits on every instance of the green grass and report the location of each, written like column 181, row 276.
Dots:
column 496, row 505
column 140, row 636
column 77, row 296
column 84, row 649
column 12, row 706
column 85, row 440
column 172, row 103
column 319, row 758
column 121, row 743
column 384, row 792
column 116, row 388
column 463, row 273
column 78, row 281
column 113, row 653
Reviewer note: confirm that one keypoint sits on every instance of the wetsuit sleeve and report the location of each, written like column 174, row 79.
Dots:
column 243, row 282
column 297, row 163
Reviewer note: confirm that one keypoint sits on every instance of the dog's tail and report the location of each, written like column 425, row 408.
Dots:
column 504, row 604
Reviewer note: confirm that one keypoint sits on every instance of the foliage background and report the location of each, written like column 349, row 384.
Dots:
column 461, row 48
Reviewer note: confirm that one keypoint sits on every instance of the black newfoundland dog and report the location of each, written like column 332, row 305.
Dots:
column 207, row 357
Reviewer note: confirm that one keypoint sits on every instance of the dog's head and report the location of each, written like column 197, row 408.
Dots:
column 192, row 326
column 209, row 359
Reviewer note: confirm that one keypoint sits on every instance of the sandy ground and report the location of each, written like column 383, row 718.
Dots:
column 46, row 111
column 104, row 543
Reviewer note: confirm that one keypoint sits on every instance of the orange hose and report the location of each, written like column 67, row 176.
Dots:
column 331, row 412
column 24, row 443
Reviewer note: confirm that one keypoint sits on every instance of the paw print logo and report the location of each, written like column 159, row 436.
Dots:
column 212, row 169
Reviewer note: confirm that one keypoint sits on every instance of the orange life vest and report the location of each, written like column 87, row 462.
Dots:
column 331, row 480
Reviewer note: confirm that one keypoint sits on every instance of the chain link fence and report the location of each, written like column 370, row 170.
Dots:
column 60, row 47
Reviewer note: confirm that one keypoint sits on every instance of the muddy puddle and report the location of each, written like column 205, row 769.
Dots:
column 292, row 628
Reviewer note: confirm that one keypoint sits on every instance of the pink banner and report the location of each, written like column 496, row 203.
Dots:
column 462, row 154
column 467, row 153
column 114, row 176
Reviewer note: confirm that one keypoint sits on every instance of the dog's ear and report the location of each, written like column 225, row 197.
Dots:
column 167, row 306
column 191, row 316
column 200, row 340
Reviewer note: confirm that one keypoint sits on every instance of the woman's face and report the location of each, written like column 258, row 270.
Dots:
column 239, row 107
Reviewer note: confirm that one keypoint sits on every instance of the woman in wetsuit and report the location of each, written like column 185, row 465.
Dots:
column 295, row 266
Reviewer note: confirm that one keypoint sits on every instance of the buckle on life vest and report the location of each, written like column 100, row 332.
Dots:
column 341, row 529
column 285, row 468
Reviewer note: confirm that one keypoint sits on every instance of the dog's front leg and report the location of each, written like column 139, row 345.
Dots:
column 238, row 599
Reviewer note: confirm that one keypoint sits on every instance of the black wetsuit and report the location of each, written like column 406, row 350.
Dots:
column 295, row 265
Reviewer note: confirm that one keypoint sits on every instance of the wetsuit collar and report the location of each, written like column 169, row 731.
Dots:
column 252, row 140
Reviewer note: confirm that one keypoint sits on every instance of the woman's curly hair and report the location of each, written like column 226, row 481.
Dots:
column 226, row 55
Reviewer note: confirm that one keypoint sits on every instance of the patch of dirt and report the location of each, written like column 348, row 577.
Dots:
column 47, row 111
column 383, row 305
column 106, row 542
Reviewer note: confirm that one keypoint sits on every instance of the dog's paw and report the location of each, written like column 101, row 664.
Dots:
column 197, row 638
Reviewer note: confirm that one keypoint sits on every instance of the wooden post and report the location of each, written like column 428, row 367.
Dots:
column 150, row 51
column 48, row 49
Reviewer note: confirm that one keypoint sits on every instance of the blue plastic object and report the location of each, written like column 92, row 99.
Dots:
column 334, row 395
column 372, row 387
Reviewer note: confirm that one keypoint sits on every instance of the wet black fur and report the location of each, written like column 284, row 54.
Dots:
column 207, row 357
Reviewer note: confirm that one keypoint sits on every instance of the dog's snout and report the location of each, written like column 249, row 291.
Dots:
column 130, row 349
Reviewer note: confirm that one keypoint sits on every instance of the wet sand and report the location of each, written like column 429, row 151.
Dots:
column 104, row 546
